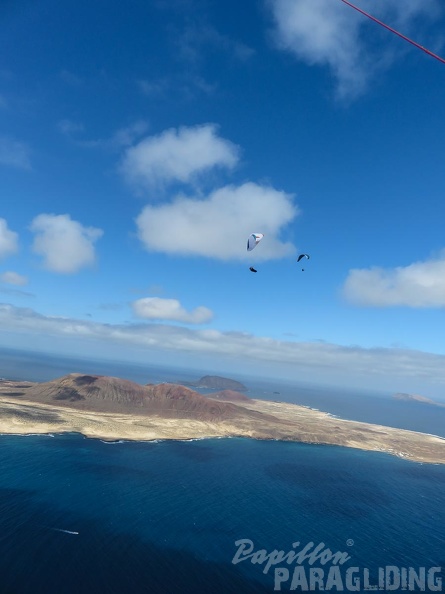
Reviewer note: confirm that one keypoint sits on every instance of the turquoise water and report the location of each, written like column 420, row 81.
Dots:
column 164, row 517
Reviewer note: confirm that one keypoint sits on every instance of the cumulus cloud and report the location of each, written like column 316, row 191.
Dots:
column 66, row 245
column 13, row 278
column 218, row 227
column 303, row 359
column 8, row 240
column 14, row 153
column 177, row 155
column 323, row 32
column 421, row 284
column 156, row 308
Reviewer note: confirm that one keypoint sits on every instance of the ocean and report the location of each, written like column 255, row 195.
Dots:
column 164, row 517
column 80, row 515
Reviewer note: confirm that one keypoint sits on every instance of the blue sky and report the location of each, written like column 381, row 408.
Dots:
column 141, row 143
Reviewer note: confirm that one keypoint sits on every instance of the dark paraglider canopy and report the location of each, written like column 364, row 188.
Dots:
column 252, row 269
column 301, row 256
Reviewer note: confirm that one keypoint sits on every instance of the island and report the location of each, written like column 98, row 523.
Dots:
column 417, row 398
column 112, row 409
column 216, row 382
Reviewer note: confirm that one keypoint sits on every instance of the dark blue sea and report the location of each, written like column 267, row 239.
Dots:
column 83, row 516
column 164, row 517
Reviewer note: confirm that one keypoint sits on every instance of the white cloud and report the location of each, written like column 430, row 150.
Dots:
column 14, row 153
column 328, row 32
column 177, row 155
column 66, row 245
column 218, row 227
column 156, row 308
column 402, row 369
column 421, row 284
column 13, row 278
column 8, row 240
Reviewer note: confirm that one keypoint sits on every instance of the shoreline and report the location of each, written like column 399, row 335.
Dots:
column 272, row 421
column 400, row 455
column 309, row 427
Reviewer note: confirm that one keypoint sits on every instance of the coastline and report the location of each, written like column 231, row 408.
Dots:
column 282, row 422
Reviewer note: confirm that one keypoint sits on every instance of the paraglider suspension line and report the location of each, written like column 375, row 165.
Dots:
column 424, row 49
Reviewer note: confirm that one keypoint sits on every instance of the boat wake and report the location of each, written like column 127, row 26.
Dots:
column 66, row 531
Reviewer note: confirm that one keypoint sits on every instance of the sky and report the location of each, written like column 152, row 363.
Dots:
column 141, row 143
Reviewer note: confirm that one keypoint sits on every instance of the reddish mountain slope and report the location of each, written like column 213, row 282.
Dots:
column 230, row 395
column 111, row 394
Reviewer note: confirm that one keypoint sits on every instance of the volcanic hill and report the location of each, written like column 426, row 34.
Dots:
column 230, row 396
column 114, row 395
column 110, row 408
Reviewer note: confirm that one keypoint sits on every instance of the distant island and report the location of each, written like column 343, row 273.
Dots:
column 215, row 382
column 416, row 398
column 111, row 408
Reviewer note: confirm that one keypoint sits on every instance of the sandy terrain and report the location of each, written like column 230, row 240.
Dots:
column 282, row 421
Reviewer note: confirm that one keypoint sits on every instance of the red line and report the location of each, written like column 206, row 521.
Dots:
column 427, row 51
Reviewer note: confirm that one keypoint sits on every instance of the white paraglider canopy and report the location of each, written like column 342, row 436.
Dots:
column 254, row 240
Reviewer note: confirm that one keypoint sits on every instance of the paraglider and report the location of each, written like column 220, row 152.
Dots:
column 254, row 240
column 301, row 256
